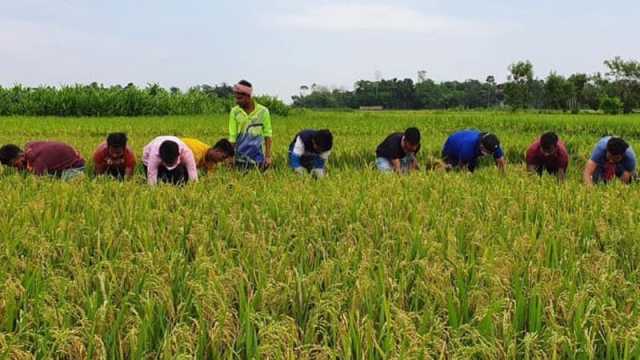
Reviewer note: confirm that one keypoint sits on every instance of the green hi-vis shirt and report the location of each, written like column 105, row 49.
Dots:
column 239, row 121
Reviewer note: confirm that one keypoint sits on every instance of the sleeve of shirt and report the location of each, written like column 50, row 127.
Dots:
column 630, row 161
column 266, row 124
column 598, row 155
column 233, row 127
column 499, row 154
column 152, row 170
column 563, row 157
column 130, row 160
column 296, row 153
column 98, row 159
column 190, row 163
column 531, row 156
column 325, row 155
column 38, row 167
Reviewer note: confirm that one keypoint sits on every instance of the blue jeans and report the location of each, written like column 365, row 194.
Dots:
column 384, row 164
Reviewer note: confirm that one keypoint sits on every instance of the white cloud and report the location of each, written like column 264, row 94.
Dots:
column 369, row 17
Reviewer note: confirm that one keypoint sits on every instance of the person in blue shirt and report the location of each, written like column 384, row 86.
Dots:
column 611, row 157
column 310, row 151
column 463, row 149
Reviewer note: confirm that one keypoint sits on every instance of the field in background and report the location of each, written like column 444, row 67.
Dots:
column 358, row 265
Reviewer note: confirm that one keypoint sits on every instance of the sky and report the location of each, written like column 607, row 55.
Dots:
column 280, row 45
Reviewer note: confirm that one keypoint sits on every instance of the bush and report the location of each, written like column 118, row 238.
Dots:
column 98, row 100
column 611, row 105
column 275, row 105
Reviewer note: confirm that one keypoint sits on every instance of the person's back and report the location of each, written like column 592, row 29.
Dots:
column 310, row 150
column 52, row 157
column 199, row 150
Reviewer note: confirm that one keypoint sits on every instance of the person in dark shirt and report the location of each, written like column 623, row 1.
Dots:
column 398, row 152
column 549, row 154
column 310, row 151
column 44, row 158
column 114, row 157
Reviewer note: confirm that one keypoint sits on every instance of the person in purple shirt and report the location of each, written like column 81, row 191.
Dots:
column 44, row 158
column 463, row 149
column 612, row 157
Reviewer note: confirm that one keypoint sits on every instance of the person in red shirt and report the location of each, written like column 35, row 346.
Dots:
column 114, row 157
column 44, row 158
column 549, row 154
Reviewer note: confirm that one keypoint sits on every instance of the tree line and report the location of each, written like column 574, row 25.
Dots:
column 618, row 90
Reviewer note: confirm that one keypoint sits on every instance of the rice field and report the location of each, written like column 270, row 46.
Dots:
column 358, row 265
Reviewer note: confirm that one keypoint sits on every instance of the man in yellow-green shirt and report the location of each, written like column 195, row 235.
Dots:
column 250, row 129
column 208, row 157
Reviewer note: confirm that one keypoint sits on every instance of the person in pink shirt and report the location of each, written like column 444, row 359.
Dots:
column 167, row 159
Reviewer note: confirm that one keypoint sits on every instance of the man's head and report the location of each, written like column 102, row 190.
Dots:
column 116, row 144
column 322, row 140
column 489, row 144
column 243, row 91
column 221, row 151
column 549, row 143
column 169, row 153
column 11, row 155
column 411, row 140
column 616, row 147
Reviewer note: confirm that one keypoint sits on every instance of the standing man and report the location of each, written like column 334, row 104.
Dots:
column 398, row 152
column 612, row 157
column 250, row 129
column 463, row 149
column 44, row 158
column 168, row 159
column 549, row 154
column 310, row 150
column 115, row 158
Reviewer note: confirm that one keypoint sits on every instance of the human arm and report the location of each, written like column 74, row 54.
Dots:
column 589, row 170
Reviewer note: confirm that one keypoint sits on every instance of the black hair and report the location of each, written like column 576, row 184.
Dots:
column 9, row 153
column 117, row 140
column 412, row 136
column 323, row 139
column 490, row 142
column 617, row 146
column 548, row 140
column 169, row 152
column 225, row 146
column 245, row 83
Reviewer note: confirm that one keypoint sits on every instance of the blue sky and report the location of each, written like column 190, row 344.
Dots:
column 282, row 44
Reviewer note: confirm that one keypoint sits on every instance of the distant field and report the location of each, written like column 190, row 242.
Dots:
column 356, row 266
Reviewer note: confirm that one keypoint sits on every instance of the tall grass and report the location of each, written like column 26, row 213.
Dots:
column 356, row 266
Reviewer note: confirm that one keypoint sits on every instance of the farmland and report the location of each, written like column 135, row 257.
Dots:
column 358, row 265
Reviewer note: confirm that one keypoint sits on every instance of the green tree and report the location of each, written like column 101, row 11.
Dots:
column 626, row 74
column 518, row 86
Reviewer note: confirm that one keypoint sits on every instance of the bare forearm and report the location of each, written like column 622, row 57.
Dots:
column 267, row 147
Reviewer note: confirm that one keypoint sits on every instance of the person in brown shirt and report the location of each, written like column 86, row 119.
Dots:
column 44, row 158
